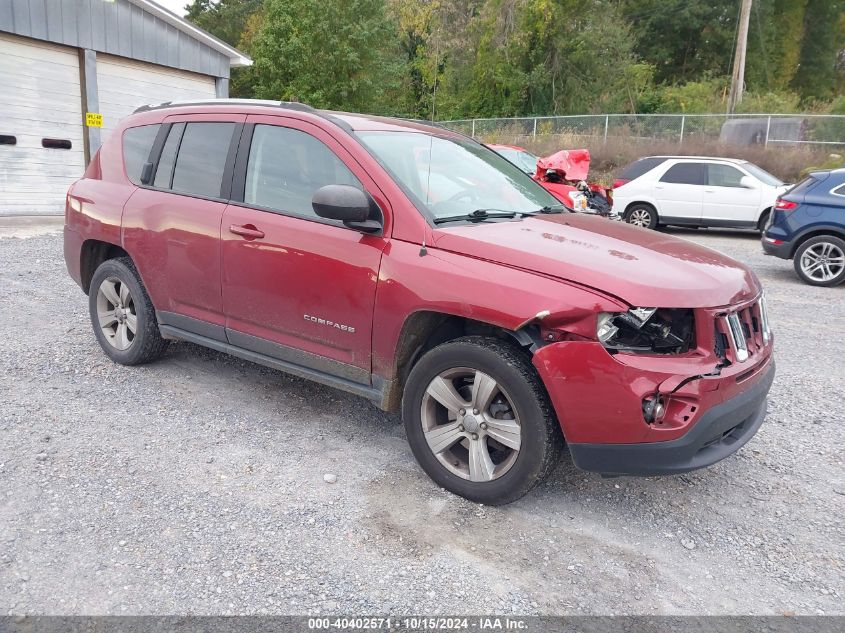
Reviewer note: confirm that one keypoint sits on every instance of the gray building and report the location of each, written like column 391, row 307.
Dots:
column 72, row 69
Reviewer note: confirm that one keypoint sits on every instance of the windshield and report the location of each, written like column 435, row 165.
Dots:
column 762, row 175
column 453, row 176
column 521, row 158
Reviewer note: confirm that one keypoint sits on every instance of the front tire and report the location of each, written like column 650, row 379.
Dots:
column 643, row 215
column 122, row 314
column 820, row 261
column 479, row 421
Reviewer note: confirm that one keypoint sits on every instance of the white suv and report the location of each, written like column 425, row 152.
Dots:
column 696, row 191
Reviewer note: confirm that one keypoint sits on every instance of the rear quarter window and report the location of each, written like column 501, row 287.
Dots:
column 639, row 167
column 137, row 143
column 803, row 187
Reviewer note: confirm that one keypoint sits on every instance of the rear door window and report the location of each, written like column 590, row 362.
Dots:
column 723, row 176
column 685, row 174
column 202, row 159
column 137, row 143
column 639, row 167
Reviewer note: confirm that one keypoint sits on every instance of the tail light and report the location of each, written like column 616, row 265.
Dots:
column 785, row 205
column 619, row 182
column 73, row 204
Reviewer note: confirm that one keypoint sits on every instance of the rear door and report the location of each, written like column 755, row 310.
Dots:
column 172, row 225
column 679, row 192
column 726, row 202
column 297, row 287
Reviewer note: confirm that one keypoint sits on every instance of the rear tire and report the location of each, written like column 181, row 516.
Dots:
column 764, row 220
column 122, row 314
column 641, row 214
column 460, row 400
column 820, row 261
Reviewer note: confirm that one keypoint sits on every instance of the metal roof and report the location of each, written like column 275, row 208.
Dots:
column 135, row 29
column 236, row 57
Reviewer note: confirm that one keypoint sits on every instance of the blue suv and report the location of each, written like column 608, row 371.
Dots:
column 807, row 225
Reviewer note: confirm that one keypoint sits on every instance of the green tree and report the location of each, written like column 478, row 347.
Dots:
column 817, row 73
column 343, row 56
column 225, row 19
column 774, row 43
column 234, row 22
column 551, row 57
column 684, row 39
column 438, row 40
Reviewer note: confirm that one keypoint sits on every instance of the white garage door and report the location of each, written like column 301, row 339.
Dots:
column 124, row 84
column 40, row 99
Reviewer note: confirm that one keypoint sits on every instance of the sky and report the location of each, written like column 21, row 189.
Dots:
column 177, row 6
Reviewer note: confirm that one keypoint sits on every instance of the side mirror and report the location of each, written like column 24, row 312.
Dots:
column 347, row 204
column 748, row 182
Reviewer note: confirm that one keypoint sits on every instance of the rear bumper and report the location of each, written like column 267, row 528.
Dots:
column 73, row 252
column 778, row 250
column 719, row 433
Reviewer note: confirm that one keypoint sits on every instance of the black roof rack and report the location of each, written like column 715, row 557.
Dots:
column 288, row 105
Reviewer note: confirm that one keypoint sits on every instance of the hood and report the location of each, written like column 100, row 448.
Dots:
column 574, row 164
column 640, row 266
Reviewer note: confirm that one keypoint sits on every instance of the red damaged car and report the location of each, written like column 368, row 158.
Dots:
column 416, row 268
column 564, row 175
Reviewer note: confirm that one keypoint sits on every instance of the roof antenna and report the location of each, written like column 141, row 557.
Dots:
column 423, row 249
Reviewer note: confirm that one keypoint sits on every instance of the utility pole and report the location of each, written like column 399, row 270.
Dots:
column 738, row 76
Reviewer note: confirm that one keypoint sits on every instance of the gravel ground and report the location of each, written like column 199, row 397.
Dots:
column 196, row 485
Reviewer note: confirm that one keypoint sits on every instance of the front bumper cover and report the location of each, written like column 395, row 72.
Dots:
column 719, row 433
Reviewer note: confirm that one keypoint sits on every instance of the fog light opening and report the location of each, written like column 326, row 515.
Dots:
column 653, row 408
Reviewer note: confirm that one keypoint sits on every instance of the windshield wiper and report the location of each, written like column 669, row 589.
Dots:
column 476, row 216
column 555, row 208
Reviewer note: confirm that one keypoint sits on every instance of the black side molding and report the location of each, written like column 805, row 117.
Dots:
column 370, row 393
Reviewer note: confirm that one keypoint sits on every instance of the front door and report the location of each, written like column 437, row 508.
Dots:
column 726, row 202
column 295, row 286
column 679, row 191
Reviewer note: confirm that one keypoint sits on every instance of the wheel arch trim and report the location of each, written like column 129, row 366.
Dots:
column 92, row 254
column 815, row 231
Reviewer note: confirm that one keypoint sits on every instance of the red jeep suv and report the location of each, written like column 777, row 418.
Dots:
column 415, row 267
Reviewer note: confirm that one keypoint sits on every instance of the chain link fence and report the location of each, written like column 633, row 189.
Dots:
column 766, row 130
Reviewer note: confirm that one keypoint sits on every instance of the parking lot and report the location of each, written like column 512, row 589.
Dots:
column 196, row 485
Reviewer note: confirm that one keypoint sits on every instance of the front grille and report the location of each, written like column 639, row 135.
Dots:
column 742, row 333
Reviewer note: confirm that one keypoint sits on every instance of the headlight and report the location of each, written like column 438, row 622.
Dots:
column 647, row 330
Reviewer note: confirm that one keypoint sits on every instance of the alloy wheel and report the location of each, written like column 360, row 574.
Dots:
column 116, row 313
column 640, row 217
column 823, row 261
column 470, row 424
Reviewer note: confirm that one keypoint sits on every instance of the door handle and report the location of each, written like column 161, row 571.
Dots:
column 247, row 230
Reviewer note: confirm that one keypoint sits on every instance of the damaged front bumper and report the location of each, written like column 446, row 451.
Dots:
column 598, row 398
column 719, row 433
